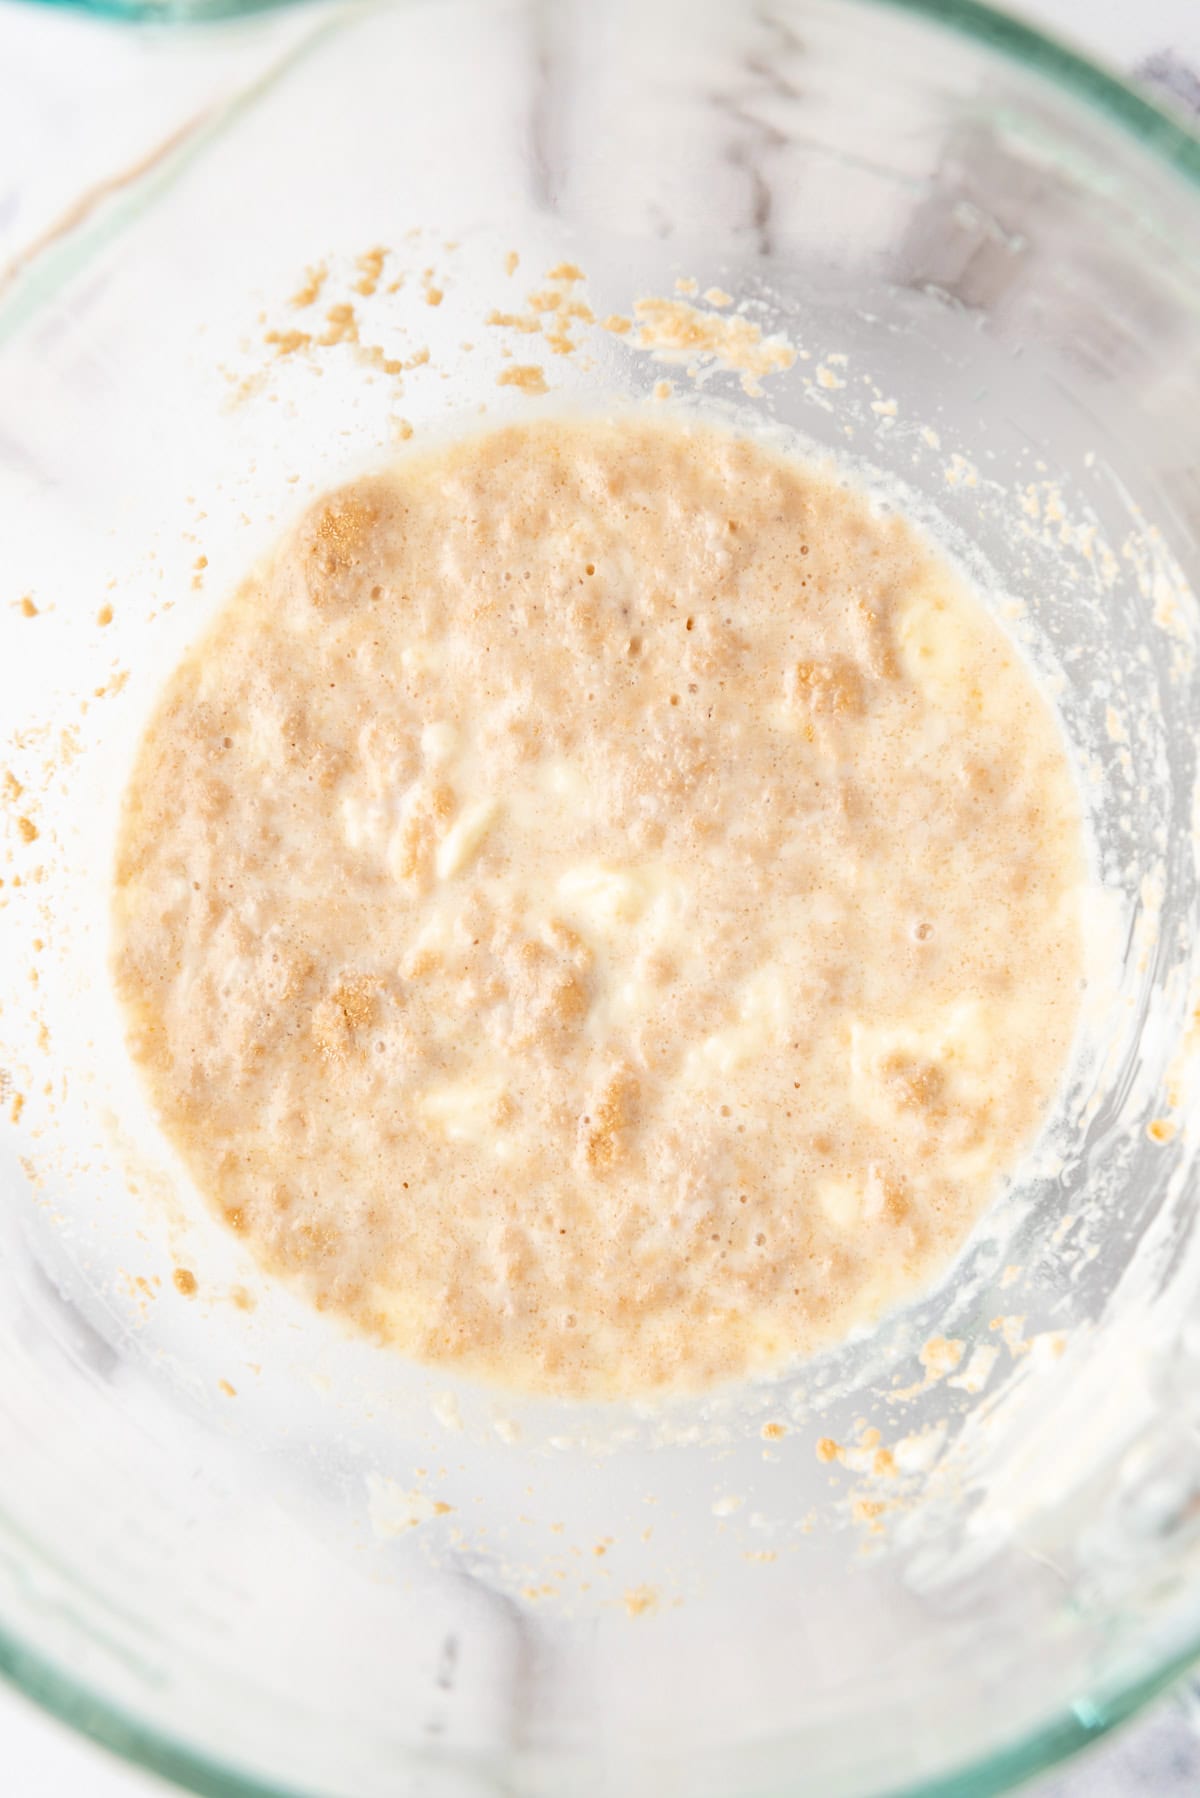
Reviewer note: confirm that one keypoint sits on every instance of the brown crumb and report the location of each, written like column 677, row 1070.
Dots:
column 619, row 326
column 104, row 615
column 434, row 296
column 28, row 609
column 227, row 1389
column 16, row 1108
column 919, row 1086
column 734, row 343
column 1160, row 1130
column 831, row 687
column 336, row 1018
column 828, row 1450
column 12, row 786
column 514, row 321
column 370, row 268
column 185, row 1281
column 340, row 531
column 884, row 1465
column 774, row 1432
column 286, row 343
column 525, row 375
column 565, row 271
column 28, row 830
column 610, row 1117
column 511, row 263
column 314, row 281
column 941, row 1355
column 373, row 356
column 866, row 1510
column 640, row 1599
column 342, row 321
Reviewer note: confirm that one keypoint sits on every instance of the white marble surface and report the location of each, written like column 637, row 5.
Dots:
column 81, row 99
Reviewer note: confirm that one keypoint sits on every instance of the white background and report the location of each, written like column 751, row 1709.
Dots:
column 81, row 100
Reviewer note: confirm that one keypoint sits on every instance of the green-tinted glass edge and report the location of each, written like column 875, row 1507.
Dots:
column 72, row 1703
column 61, row 1694
column 168, row 12
column 1169, row 137
column 65, row 1698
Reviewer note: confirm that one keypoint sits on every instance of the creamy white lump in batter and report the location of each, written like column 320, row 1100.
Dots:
column 600, row 908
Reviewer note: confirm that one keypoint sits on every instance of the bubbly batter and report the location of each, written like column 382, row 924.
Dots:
column 601, row 907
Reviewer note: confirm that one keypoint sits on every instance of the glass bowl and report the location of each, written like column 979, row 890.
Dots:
column 262, row 1557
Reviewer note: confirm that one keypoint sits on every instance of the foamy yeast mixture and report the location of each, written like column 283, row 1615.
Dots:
column 600, row 908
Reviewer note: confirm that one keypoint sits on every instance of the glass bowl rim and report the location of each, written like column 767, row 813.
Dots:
column 1119, row 103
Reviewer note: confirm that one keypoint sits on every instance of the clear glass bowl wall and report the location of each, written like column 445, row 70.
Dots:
column 993, row 255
